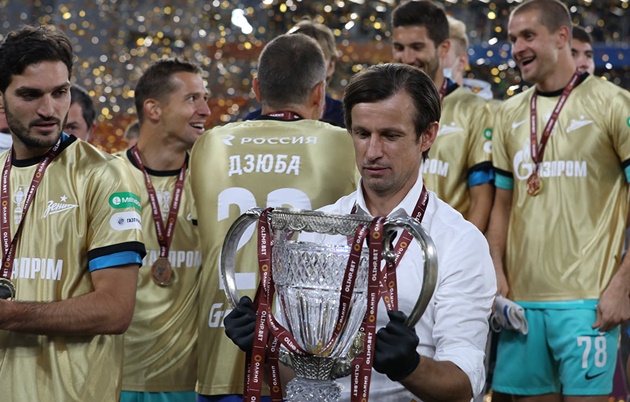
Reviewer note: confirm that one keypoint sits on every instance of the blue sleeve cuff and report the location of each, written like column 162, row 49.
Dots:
column 627, row 172
column 478, row 177
column 503, row 182
column 115, row 260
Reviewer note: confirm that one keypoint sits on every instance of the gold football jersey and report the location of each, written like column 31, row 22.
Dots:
column 462, row 146
column 303, row 164
column 161, row 343
column 565, row 243
column 84, row 212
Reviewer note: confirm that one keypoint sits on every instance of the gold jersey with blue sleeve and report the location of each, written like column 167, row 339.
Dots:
column 565, row 242
column 303, row 164
column 85, row 216
column 461, row 156
column 161, row 342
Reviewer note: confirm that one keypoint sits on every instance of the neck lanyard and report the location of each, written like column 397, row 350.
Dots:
column 389, row 290
column 284, row 115
column 443, row 89
column 8, row 243
column 534, row 182
column 161, row 271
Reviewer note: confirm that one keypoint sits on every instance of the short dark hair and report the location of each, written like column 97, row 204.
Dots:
column 80, row 95
column 552, row 13
column 156, row 81
column 132, row 131
column 289, row 67
column 381, row 82
column 582, row 34
column 423, row 13
column 30, row 45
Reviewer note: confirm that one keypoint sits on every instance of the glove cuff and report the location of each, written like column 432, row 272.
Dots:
column 403, row 372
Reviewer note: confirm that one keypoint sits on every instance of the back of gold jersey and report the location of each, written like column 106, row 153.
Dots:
column 266, row 163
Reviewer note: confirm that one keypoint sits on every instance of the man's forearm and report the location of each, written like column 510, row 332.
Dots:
column 106, row 310
column 481, row 198
column 434, row 381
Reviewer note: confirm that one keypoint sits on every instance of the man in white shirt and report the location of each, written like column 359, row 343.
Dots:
column 392, row 113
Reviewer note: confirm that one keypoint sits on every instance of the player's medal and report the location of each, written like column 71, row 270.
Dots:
column 534, row 184
column 162, row 272
column 8, row 244
column 7, row 289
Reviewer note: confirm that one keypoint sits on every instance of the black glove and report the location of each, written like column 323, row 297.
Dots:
column 240, row 324
column 395, row 350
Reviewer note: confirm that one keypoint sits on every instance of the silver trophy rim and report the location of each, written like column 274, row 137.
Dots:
column 279, row 222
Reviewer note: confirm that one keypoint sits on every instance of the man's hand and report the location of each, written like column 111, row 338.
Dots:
column 395, row 350
column 240, row 324
column 613, row 307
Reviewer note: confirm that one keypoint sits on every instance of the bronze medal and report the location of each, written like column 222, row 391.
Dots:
column 7, row 289
column 162, row 272
column 534, row 184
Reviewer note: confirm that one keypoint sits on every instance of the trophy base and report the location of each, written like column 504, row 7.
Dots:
column 304, row 390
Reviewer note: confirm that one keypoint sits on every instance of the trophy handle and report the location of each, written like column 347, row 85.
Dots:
column 429, row 278
column 227, row 262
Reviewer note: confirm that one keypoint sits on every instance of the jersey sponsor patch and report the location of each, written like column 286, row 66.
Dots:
column 125, row 200
column 126, row 221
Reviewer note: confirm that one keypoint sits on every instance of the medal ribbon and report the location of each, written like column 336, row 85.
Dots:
column 443, row 89
column 268, row 346
column 254, row 373
column 536, row 149
column 284, row 115
column 389, row 291
column 8, row 244
column 362, row 364
column 165, row 235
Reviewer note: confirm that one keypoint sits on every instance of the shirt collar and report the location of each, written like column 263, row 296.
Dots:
column 408, row 204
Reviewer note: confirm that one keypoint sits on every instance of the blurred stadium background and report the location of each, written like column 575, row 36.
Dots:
column 115, row 40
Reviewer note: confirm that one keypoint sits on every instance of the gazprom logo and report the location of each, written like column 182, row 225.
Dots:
column 125, row 200
column 126, row 221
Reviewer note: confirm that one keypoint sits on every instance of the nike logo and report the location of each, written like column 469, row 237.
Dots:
column 444, row 130
column 517, row 124
column 575, row 124
column 590, row 377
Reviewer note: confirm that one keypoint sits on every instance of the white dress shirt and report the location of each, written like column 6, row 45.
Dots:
column 455, row 325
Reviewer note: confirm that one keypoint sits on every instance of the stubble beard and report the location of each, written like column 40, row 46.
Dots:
column 22, row 133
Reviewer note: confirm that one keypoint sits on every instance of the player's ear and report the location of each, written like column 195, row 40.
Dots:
column 152, row 109
column 430, row 134
column 256, row 89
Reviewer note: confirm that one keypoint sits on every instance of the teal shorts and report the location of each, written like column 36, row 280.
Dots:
column 131, row 396
column 560, row 354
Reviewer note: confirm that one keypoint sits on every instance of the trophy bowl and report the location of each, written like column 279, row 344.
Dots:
column 309, row 261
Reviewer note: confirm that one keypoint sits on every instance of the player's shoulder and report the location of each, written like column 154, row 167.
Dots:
column 88, row 155
column 463, row 102
column 601, row 88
